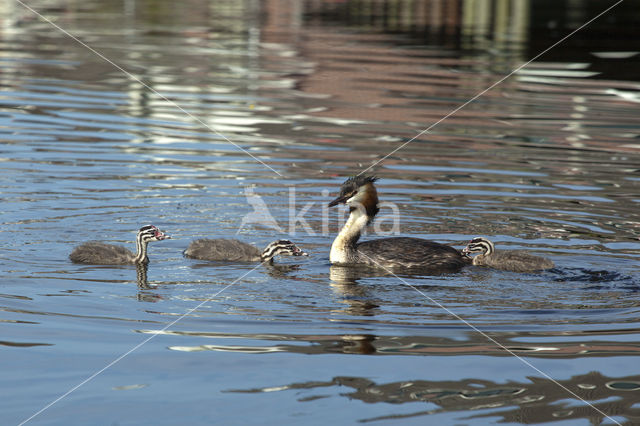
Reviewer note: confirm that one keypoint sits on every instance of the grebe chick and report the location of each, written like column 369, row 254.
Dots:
column 514, row 261
column 97, row 253
column 237, row 251
column 361, row 196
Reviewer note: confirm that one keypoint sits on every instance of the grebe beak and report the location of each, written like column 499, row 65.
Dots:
column 161, row 236
column 342, row 199
column 299, row 252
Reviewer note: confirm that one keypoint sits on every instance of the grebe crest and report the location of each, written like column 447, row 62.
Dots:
column 358, row 192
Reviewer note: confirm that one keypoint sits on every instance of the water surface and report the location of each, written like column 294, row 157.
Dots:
column 546, row 162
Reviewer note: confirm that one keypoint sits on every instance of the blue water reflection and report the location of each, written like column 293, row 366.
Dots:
column 546, row 162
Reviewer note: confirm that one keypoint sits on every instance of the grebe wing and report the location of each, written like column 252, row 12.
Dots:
column 411, row 253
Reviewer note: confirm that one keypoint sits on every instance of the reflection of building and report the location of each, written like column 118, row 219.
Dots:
column 449, row 22
column 534, row 401
column 372, row 88
column 513, row 21
column 474, row 344
column 508, row 24
column 367, row 78
column 537, row 401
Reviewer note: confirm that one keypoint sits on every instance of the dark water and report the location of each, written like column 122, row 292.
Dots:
column 547, row 161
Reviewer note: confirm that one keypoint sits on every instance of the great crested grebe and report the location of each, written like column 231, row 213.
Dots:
column 237, row 251
column 97, row 253
column 361, row 196
column 514, row 261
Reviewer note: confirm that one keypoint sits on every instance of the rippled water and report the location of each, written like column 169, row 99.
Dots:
column 546, row 161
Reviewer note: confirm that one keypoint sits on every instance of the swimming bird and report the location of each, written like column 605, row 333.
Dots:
column 238, row 251
column 360, row 194
column 514, row 261
column 98, row 253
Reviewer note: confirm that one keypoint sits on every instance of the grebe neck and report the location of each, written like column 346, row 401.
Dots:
column 343, row 249
column 489, row 247
column 141, row 249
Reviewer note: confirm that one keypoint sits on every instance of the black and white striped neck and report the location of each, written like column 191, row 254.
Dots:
column 141, row 248
column 145, row 235
column 482, row 245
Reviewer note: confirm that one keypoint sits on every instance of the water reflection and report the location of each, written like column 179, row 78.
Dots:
column 342, row 276
column 536, row 401
column 545, row 162
column 23, row 344
column 141, row 276
column 144, row 294
column 576, row 344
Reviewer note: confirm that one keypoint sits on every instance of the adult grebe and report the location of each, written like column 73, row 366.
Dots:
column 237, row 251
column 97, row 253
column 361, row 196
column 514, row 261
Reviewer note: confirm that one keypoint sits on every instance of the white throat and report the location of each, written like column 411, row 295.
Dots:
column 343, row 249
